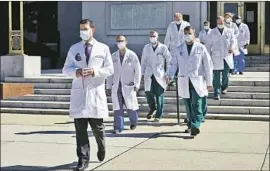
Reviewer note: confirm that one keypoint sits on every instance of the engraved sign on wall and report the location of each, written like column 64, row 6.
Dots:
column 138, row 16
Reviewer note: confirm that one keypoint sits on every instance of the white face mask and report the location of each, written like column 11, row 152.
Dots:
column 121, row 45
column 220, row 26
column 228, row 20
column 238, row 21
column 85, row 35
column 206, row 27
column 188, row 38
column 153, row 39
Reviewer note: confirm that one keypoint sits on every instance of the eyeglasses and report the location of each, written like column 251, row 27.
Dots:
column 118, row 41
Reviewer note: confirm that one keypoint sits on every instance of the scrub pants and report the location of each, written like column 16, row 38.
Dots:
column 239, row 62
column 156, row 92
column 119, row 114
column 83, row 146
column 194, row 108
column 223, row 85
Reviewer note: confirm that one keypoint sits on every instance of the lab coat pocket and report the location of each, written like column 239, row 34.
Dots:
column 77, row 83
column 77, row 101
column 130, row 97
column 160, row 59
column 148, row 72
column 97, row 61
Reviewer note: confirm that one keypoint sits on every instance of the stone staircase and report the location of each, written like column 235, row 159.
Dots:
column 247, row 99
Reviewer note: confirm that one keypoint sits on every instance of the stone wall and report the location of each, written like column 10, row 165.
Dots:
column 133, row 19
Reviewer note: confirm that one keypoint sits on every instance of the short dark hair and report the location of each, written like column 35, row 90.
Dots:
column 188, row 28
column 87, row 21
column 206, row 22
column 121, row 35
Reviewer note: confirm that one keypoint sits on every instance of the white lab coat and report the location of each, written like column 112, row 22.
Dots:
column 197, row 67
column 203, row 35
column 153, row 63
column 244, row 36
column 218, row 47
column 174, row 37
column 88, row 98
column 127, row 72
column 234, row 29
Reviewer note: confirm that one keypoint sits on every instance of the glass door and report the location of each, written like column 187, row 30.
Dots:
column 252, row 16
column 250, row 13
column 228, row 6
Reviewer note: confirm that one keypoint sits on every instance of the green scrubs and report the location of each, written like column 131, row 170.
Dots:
column 194, row 108
column 156, row 93
column 218, row 86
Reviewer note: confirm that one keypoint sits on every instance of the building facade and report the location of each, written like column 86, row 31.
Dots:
column 50, row 34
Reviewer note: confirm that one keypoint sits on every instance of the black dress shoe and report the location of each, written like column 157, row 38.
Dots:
column 241, row 73
column 101, row 155
column 217, row 98
column 82, row 165
column 194, row 131
column 132, row 127
column 150, row 114
column 187, row 130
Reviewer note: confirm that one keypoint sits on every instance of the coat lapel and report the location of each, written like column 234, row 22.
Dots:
column 193, row 49
column 125, row 57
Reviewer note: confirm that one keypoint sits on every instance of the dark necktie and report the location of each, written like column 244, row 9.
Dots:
column 87, row 51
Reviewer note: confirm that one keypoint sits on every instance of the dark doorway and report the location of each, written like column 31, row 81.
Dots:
column 42, row 37
column 251, row 19
column 213, row 14
column 4, row 28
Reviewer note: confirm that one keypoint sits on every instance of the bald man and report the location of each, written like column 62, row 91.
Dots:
column 175, row 34
column 175, row 31
column 220, row 45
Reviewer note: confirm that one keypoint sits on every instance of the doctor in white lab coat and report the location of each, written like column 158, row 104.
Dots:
column 220, row 45
column 155, row 63
column 89, row 63
column 124, row 84
column 194, row 79
column 204, row 32
column 175, row 32
column 232, row 26
column 243, row 42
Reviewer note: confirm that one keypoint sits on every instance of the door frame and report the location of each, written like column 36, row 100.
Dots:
column 264, row 48
column 260, row 47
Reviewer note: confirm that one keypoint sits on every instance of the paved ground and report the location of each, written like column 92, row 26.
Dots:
column 30, row 142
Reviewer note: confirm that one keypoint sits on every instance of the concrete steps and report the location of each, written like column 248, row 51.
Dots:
column 169, row 107
column 142, row 100
column 247, row 97
column 234, row 95
column 257, row 69
column 141, row 114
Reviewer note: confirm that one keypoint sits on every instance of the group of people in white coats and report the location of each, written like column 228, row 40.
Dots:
column 199, row 63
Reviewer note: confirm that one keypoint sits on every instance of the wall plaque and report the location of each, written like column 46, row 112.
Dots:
column 137, row 18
